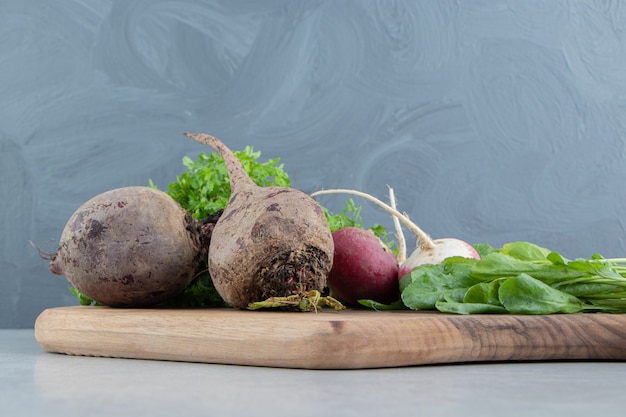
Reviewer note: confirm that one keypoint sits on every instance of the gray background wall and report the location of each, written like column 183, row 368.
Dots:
column 492, row 120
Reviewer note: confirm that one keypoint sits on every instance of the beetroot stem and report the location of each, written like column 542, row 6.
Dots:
column 236, row 172
column 421, row 235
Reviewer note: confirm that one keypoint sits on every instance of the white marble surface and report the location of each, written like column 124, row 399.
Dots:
column 37, row 383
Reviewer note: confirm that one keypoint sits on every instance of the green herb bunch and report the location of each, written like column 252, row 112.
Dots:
column 205, row 188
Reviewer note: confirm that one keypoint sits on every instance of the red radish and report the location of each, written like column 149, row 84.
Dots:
column 428, row 251
column 363, row 268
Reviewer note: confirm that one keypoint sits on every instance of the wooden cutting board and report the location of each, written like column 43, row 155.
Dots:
column 349, row 339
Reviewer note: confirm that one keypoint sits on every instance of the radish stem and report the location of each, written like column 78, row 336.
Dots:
column 427, row 242
column 399, row 234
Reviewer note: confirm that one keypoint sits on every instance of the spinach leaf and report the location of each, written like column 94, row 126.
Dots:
column 588, row 289
column 525, row 251
column 484, row 249
column 524, row 294
column 428, row 284
column 484, row 293
column 498, row 265
column 469, row 308
column 596, row 267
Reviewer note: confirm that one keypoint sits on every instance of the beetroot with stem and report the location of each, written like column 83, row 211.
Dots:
column 269, row 244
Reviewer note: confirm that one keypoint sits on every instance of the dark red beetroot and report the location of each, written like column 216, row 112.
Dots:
column 363, row 268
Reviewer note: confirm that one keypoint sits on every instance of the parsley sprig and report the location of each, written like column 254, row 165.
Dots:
column 205, row 187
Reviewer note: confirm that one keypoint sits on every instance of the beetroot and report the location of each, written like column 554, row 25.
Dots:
column 129, row 247
column 270, row 242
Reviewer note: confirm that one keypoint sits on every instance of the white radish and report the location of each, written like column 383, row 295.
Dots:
column 428, row 250
column 441, row 249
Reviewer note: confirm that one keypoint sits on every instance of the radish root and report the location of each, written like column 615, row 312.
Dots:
column 399, row 234
column 307, row 301
column 427, row 241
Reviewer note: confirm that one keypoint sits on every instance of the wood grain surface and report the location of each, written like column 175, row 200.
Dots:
column 351, row 339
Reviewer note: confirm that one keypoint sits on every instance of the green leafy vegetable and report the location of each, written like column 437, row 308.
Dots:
column 524, row 294
column 469, row 308
column 429, row 284
column 349, row 217
column 484, row 293
column 83, row 300
column 200, row 293
column 524, row 251
column 519, row 278
column 484, row 249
